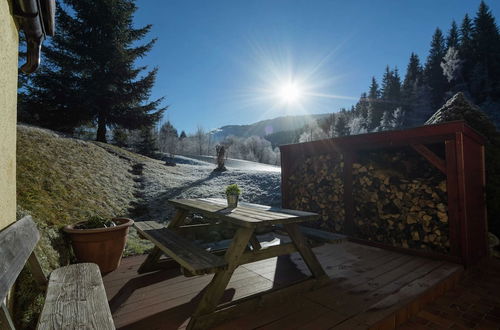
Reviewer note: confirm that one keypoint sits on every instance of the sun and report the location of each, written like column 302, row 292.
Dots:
column 290, row 93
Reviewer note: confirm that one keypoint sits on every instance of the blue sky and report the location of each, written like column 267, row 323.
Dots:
column 224, row 61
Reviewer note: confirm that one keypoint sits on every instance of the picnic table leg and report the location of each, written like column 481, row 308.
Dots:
column 152, row 259
column 306, row 251
column 215, row 289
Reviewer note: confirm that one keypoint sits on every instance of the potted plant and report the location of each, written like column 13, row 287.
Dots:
column 232, row 194
column 99, row 240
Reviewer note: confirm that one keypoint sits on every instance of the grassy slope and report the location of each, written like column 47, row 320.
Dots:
column 60, row 181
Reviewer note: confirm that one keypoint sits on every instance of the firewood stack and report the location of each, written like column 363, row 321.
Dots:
column 392, row 208
column 317, row 186
column 399, row 198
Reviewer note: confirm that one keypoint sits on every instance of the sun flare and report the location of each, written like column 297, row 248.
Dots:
column 290, row 93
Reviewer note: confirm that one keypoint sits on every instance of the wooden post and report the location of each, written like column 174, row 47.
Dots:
column 154, row 256
column 305, row 250
column 348, row 194
column 453, row 201
column 215, row 290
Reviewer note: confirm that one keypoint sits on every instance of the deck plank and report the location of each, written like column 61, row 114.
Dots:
column 371, row 283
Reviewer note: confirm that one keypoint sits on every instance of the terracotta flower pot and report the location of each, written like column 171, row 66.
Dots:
column 103, row 246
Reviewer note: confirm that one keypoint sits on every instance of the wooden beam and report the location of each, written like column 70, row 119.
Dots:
column 178, row 219
column 151, row 261
column 37, row 271
column 270, row 252
column 254, row 242
column 434, row 159
column 16, row 244
column 5, row 319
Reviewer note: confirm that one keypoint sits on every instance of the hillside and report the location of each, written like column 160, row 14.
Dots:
column 63, row 180
column 265, row 127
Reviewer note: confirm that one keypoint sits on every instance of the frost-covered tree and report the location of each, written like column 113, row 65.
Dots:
column 313, row 132
column 358, row 125
column 452, row 65
column 398, row 120
column 327, row 125
column 387, row 121
column 200, row 138
column 168, row 139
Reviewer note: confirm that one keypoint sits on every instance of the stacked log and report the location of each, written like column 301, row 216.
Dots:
column 316, row 185
column 400, row 208
column 399, row 198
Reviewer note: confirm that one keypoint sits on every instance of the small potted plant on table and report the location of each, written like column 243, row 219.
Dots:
column 232, row 194
column 99, row 240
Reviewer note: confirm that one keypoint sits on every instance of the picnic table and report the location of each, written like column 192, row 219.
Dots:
column 244, row 247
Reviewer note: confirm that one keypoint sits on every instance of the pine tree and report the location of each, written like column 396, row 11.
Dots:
column 147, row 145
column 433, row 74
column 411, row 82
column 374, row 93
column 89, row 74
column 465, row 48
column 341, row 125
column 182, row 135
column 453, row 37
column 485, row 79
column 120, row 137
column 413, row 74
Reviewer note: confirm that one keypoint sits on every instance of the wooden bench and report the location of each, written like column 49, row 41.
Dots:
column 75, row 297
column 193, row 258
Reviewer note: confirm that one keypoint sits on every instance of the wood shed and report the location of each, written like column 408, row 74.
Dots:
column 420, row 190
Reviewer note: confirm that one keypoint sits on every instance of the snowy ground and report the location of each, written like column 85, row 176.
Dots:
column 238, row 164
column 193, row 178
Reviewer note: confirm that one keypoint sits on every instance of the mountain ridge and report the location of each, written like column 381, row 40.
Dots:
column 265, row 127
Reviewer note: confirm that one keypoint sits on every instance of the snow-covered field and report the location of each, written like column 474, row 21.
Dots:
column 194, row 178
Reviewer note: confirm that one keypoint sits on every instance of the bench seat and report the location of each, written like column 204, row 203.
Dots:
column 76, row 299
column 190, row 256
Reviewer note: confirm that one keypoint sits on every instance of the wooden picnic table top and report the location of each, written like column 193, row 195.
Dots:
column 246, row 214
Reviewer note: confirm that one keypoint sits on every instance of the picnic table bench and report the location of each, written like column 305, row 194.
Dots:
column 244, row 247
column 75, row 298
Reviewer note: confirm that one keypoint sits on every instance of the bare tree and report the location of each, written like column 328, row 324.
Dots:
column 199, row 137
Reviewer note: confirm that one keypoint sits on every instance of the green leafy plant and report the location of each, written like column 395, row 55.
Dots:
column 233, row 189
column 96, row 222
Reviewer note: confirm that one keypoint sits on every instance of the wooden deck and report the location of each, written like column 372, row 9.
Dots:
column 369, row 287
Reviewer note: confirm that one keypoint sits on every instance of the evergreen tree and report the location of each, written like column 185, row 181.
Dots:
column 120, row 137
column 89, row 74
column 453, row 37
column 374, row 93
column 485, row 79
column 391, row 91
column 433, row 74
column 182, row 135
column 413, row 74
column 147, row 145
column 465, row 48
column 341, row 124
